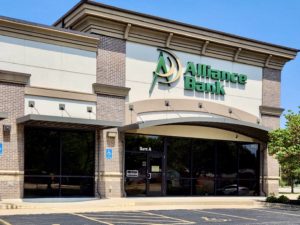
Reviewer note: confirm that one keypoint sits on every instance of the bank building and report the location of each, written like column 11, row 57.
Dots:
column 108, row 103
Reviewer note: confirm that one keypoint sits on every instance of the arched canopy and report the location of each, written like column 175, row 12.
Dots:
column 249, row 129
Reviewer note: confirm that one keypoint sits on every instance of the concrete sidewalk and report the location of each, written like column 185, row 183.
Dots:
column 75, row 205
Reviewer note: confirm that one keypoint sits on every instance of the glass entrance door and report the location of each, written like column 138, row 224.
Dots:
column 143, row 174
column 154, row 178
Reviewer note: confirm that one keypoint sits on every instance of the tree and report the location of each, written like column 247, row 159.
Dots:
column 284, row 144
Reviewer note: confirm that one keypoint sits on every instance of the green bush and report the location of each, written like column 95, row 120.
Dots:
column 283, row 199
column 271, row 199
column 280, row 199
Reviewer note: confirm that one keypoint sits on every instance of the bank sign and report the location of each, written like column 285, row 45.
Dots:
column 197, row 77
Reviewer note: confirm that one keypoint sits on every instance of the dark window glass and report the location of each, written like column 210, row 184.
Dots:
column 197, row 166
column 249, row 169
column 77, row 153
column 41, row 152
column 135, row 172
column 248, row 164
column 58, row 163
column 227, row 187
column 227, row 160
column 203, row 164
column 179, row 166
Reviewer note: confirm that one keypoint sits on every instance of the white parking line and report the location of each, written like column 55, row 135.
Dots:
column 181, row 221
column 281, row 213
column 4, row 222
column 222, row 214
column 88, row 218
column 138, row 217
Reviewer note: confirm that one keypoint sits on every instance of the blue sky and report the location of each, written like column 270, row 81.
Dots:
column 274, row 21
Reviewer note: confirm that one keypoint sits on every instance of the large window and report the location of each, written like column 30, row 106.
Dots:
column 195, row 166
column 58, row 163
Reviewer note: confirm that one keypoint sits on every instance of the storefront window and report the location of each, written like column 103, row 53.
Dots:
column 195, row 166
column 58, row 163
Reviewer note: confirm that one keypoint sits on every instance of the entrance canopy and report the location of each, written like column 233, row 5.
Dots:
column 3, row 115
column 249, row 129
column 66, row 122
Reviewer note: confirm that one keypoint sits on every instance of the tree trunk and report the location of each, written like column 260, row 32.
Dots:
column 292, row 185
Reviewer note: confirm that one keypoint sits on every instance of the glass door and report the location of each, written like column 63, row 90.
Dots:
column 136, row 174
column 154, row 176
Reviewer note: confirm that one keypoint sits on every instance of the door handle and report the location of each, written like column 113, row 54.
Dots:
column 149, row 176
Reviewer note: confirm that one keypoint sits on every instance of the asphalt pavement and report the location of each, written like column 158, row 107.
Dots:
column 264, row 216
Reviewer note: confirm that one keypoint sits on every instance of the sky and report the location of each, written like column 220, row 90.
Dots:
column 274, row 21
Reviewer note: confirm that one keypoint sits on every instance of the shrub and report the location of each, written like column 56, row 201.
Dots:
column 283, row 199
column 271, row 199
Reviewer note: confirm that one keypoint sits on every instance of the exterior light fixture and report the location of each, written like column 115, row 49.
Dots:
column 131, row 107
column 31, row 104
column 89, row 109
column 111, row 134
column 167, row 103
column 62, row 106
column 230, row 110
column 258, row 121
column 200, row 105
column 6, row 129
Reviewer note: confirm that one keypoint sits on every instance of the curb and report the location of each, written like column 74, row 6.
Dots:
column 280, row 206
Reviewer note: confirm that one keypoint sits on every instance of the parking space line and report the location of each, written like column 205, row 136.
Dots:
column 138, row 219
column 4, row 222
column 282, row 213
column 88, row 218
column 173, row 218
column 222, row 214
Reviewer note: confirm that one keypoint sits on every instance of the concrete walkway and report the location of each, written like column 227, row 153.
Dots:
column 72, row 205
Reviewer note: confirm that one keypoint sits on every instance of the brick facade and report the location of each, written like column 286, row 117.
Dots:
column 111, row 60
column 12, row 160
column 271, row 97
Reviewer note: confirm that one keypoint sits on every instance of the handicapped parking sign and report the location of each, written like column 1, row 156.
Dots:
column 108, row 153
column 1, row 149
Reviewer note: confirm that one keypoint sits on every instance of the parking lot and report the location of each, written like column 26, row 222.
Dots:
column 192, row 216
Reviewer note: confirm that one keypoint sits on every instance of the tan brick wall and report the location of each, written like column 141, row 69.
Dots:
column 111, row 108
column 110, row 70
column 271, row 87
column 111, row 59
column 271, row 97
column 12, row 160
column 110, row 174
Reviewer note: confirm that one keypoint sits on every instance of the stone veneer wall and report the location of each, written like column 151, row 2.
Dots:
column 12, row 160
column 111, row 61
column 271, row 97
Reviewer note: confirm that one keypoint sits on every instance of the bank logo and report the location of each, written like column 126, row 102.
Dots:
column 168, row 69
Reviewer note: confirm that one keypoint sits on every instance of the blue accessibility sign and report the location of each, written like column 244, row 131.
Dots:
column 1, row 149
column 108, row 153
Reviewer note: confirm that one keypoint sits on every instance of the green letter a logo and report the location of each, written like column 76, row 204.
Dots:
column 161, row 66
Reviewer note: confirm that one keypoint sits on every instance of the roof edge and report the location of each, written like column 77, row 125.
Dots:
column 39, row 32
column 89, row 2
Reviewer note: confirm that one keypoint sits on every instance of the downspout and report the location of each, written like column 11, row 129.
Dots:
column 123, row 164
column 98, row 141
column 264, row 147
